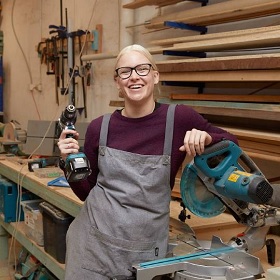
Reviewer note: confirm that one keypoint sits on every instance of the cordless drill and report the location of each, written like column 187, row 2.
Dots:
column 76, row 166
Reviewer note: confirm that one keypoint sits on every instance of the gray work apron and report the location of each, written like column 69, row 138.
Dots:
column 125, row 219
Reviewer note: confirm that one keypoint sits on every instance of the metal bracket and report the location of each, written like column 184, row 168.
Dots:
column 185, row 53
column 203, row 2
column 183, row 84
column 182, row 25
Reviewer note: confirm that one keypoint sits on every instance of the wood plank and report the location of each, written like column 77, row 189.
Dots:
column 238, row 113
column 228, row 97
column 244, row 41
column 141, row 3
column 244, row 62
column 261, row 148
column 262, row 156
column 218, row 35
column 255, row 135
column 222, row 76
column 226, row 11
column 230, row 109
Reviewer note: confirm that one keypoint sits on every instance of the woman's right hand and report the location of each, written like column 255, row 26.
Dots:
column 68, row 145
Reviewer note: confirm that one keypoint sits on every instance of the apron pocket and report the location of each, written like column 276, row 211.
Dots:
column 109, row 256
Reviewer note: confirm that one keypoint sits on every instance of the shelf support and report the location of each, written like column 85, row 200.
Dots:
column 3, row 243
column 186, row 26
column 203, row 2
column 185, row 53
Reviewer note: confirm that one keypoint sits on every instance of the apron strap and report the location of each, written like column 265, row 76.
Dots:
column 104, row 130
column 168, row 138
column 168, row 130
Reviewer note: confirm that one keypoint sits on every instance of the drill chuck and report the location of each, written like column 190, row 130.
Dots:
column 68, row 118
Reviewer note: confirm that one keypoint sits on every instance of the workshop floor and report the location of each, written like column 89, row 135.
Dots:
column 7, row 267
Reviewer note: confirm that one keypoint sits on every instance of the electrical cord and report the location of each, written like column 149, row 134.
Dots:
column 24, row 57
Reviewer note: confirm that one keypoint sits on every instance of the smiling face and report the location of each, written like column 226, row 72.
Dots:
column 136, row 88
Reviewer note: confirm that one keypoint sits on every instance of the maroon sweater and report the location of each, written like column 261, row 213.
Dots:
column 144, row 136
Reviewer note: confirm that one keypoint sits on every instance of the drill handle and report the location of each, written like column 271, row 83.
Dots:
column 70, row 127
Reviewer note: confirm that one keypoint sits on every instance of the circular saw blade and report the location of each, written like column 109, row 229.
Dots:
column 196, row 197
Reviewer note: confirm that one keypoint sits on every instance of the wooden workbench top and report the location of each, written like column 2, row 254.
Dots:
column 223, row 225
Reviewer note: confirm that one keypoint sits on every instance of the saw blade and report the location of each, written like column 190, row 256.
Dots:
column 196, row 197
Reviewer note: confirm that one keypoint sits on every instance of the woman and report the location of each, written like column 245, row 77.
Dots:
column 134, row 154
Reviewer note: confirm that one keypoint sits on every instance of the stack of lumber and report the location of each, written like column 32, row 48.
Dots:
column 242, row 66
column 258, row 144
column 247, row 57
column 223, row 12
column 252, row 68
column 262, row 67
column 262, row 37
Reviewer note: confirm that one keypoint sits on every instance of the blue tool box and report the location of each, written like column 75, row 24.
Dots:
column 8, row 200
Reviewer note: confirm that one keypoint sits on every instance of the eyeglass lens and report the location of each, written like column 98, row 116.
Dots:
column 141, row 70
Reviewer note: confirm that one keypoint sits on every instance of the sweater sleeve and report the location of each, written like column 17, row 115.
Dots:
column 186, row 119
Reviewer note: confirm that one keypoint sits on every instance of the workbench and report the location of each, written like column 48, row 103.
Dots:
column 63, row 197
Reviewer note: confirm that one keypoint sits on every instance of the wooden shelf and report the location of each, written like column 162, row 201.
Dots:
column 226, row 97
column 63, row 198
column 223, row 76
column 17, row 230
column 229, row 63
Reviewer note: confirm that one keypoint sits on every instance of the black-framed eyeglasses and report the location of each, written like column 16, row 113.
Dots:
column 141, row 69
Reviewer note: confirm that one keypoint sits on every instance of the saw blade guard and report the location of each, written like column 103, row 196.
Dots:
column 196, row 197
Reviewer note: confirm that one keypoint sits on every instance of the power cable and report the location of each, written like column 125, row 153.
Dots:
column 25, row 58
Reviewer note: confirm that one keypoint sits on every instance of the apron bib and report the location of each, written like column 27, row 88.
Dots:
column 125, row 219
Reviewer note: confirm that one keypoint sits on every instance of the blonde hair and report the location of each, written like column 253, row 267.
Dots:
column 140, row 49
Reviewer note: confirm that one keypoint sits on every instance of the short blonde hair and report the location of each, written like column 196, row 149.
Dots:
column 140, row 49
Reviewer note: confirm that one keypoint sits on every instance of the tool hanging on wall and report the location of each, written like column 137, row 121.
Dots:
column 53, row 63
column 63, row 46
column 82, row 69
column 58, row 44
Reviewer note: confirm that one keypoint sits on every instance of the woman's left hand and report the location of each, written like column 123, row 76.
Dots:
column 195, row 141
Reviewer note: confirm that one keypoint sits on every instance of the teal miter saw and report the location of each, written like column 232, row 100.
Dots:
column 223, row 177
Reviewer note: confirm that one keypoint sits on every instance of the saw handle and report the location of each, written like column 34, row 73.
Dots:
column 216, row 160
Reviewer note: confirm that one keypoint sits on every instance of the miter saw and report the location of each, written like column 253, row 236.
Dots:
column 223, row 177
